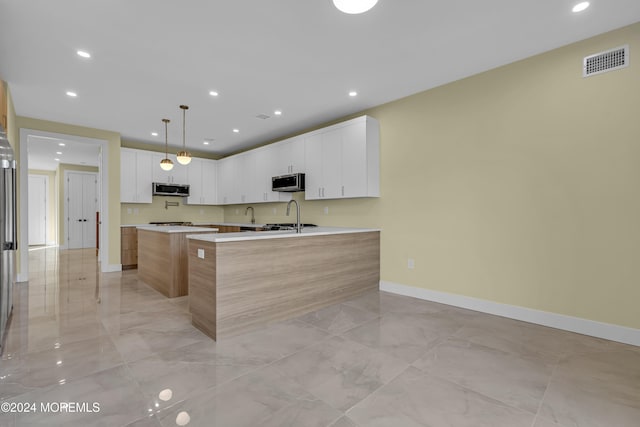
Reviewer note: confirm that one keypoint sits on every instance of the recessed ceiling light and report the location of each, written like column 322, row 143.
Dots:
column 58, row 152
column 277, row 113
column 206, row 142
column 236, row 130
column 62, row 144
column 83, row 54
column 154, row 133
column 56, row 159
column 580, row 7
column 353, row 93
column 354, row 6
column 71, row 94
column 213, row 93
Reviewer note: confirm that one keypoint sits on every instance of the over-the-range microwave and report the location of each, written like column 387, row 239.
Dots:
column 161, row 189
column 288, row 183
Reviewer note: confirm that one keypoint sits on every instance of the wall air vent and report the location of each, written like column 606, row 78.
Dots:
column 602, row 62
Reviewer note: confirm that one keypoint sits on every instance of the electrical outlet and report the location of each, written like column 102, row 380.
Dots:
column 411, row 264
column 200, row 253
column 136, row 211
column 326, row 210
column 275, row 211
column 237, row 211
column 128, row 211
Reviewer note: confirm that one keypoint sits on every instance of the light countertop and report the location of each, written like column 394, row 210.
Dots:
column 176, row 229
column 279, row 234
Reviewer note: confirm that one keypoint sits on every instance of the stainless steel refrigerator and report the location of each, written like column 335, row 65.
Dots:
column 8, row 233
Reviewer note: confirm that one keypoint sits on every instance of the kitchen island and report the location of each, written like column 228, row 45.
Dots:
column 238, row 281
column 163, row 257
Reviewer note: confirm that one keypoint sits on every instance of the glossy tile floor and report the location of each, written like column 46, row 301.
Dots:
column 376, row 360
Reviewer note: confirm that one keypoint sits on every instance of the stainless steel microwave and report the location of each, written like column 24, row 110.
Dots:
column 288, row 183
column 160, row 189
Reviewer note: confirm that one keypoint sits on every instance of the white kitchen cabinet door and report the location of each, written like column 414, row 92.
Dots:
column 290, row 157
column 331, row 164
column 228, row 189
column 209, row 185
column 128, row 174
column 194, row 179
column 354, row 161
column 144, row 176
column 135, row 176
column 313, row 165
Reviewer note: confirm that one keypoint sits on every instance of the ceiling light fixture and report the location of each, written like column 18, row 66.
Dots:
column 353, row 93
column 62, row 144
column 166, row 163
column 56, row 159
column 354, row 7
column 58, row 152
column 213, row 93
column 206, row 142
column 83, row 54
column 184, row 157
column 154, row 133
column 236, row 130
column 580, row 7
column 277, row 113
column 71, row 94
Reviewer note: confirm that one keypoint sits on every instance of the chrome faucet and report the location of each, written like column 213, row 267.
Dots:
column 253, row 218
column 298, row 227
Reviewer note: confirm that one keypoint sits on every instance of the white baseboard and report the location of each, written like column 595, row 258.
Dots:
column 607, row 331
column 110, row 268
column 21, row 277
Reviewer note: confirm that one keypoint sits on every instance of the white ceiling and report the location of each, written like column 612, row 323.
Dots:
column 150, row 56
column 43, row 152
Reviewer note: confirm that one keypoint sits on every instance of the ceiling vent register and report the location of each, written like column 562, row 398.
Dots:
column 603, row 62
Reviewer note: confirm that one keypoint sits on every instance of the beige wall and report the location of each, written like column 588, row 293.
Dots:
column 520, row 185
column 143, row 213
column 113, row 174
column 52, row 203
column 62, row 168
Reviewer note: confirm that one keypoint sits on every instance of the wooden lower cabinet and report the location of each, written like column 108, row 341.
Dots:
column 129, row 247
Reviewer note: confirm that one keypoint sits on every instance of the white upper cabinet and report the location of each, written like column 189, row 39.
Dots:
column 228, row 188
column 268, row 163
column 177, row 175
column 343, row 161
column 288, row 156
column 135, row 176
column 201, row 177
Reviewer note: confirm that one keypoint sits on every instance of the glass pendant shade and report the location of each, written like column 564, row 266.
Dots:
column 166, row 163
column 354, row 6
column 184, row 157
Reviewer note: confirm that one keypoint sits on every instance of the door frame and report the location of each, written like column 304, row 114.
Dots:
column 46, row 205
column 103, row 200
column 65, row 191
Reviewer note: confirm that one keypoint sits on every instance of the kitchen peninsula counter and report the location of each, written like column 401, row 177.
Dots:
column 238, row 281
column 163, row 257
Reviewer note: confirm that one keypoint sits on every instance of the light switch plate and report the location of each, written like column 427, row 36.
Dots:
column 200, row 253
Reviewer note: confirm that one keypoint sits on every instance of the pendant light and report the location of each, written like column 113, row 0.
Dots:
column 354, row 6
column 184, row 157
column 166, row 163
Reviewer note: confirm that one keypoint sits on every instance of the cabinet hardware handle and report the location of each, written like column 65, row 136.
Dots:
column 322, row 191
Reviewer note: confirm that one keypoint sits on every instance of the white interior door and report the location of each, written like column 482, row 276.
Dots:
column 37, row 210
column 81, row 198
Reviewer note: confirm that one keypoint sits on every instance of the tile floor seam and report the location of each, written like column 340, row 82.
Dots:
column 553, row 371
